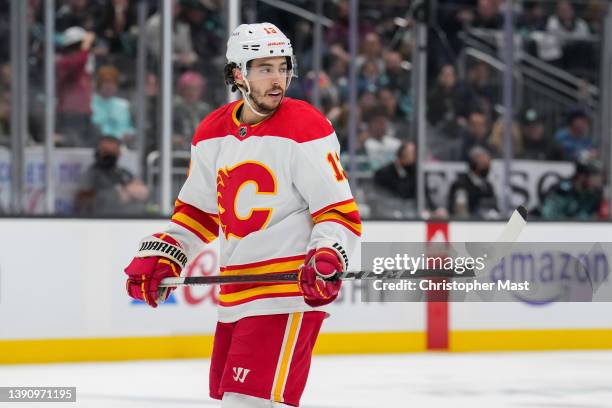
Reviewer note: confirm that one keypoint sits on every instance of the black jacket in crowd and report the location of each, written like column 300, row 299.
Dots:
column 480, row 194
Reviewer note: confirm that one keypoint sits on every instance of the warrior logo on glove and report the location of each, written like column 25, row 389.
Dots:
column 160, row 256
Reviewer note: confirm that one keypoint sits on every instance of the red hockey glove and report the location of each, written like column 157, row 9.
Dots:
column 318, row 277
column 159, row 256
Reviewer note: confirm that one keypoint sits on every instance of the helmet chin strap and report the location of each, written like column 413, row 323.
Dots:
column 247, row 96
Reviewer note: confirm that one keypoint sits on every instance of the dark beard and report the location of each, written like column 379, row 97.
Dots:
column 263, row 108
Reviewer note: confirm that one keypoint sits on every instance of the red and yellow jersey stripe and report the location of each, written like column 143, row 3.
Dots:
column 344, row 213
column 283, row 365
column 204, row 225
column 236, row 294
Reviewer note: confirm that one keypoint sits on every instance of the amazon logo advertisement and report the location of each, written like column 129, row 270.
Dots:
column 578, row 274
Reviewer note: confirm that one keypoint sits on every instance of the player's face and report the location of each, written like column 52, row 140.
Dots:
column 268, row 80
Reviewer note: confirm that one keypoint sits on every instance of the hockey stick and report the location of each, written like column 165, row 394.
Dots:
column 292, row 277
column 509, row 234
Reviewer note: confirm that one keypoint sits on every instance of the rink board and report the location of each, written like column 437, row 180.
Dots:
column 62, row 298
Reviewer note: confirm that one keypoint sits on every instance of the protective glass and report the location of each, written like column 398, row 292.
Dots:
column 268, row 72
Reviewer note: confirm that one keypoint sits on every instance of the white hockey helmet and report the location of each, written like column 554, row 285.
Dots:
column 251, row 41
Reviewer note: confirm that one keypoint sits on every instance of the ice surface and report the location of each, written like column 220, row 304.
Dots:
column 474, row 380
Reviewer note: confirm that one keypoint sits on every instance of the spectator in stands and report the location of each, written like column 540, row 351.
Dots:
column 328, row 94
column 454, row 16
column 337, row 69
column 380, row 145
column 387, row 99
column 579, row 197
column 189, row 108
column 497, row 138
column 531, row 24
column 533, row 17
column 536, row 144
column 395, row 74
column 117, row 19
column 337, row 52
column 571, row 32
column 397, row 77
column 594, row 15
column 369, row 77
column 399, row 176
column 472, row 194
column 182, row 46
column 339, row 32
column 488, row 15
column 107, row 189
column 371, row 50
column 337, row 36
column 574, row 139
column 111, row 114
column 446, row 105
column 5, row 119
column 565, row 23
column 76, row 13
column 476, row 134
column 74, row 88
column 367, row 103
column 207, row 32
column 480, row 92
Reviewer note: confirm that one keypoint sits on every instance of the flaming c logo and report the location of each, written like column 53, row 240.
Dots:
column 229, row 183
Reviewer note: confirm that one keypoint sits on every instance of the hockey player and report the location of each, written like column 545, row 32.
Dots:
column 265, row 178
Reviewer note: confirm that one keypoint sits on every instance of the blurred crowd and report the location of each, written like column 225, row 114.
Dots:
column 97, row 42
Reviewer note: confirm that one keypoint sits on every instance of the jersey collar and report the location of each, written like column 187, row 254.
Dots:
column 236, row 120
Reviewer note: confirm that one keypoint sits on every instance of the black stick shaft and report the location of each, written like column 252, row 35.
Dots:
column 292, row 277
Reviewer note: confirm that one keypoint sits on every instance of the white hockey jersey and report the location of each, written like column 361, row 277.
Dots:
column 270, row 192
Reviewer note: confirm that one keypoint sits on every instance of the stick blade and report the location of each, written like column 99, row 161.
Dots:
column 522, row 212
column 515, row 225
